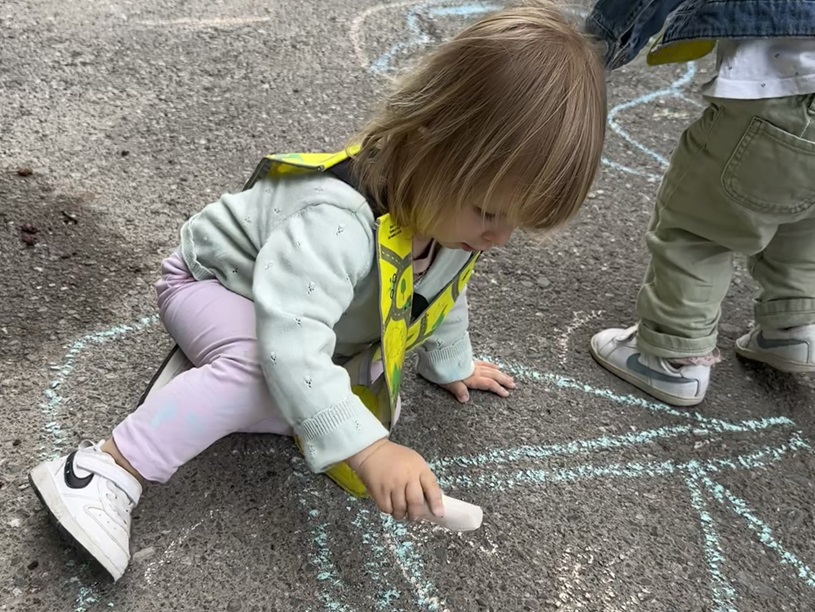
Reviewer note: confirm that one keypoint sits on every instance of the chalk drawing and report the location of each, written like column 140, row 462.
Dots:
column 53, row 435
column 723, row 594
column 410, row 562
column 505, row 469
column 199, row 24
column 85, row 597
column 579, row 319
column 692, row 471
column 574, row 595
column 415, row 20
column 395, row 563
column 169, row 552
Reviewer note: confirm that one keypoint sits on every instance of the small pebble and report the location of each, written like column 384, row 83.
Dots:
column 144, row 553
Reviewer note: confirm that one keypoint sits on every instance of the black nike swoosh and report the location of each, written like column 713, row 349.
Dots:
column 71, row 479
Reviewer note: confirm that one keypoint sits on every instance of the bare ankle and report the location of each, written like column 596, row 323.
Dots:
column 109, row 447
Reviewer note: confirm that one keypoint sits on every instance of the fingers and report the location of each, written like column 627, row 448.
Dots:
column 459, row 390
column 432, row 493
column 414, row 495
column 505, row 380
column 489, row 384
column 383, row 501
column 399, row 505
column 491, row 371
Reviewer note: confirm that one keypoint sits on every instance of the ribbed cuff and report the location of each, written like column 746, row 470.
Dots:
column 448, row 364
column 333, row 435
column 187, row 251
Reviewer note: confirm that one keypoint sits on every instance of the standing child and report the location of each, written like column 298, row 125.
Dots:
column 742, row 179
column 275, row 293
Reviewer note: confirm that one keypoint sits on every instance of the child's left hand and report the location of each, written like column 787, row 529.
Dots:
column 486, row 377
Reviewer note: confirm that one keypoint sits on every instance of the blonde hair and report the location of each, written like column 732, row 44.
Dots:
column 514, row 101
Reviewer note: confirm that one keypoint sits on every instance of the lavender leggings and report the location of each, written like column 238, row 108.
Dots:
column 224, row 393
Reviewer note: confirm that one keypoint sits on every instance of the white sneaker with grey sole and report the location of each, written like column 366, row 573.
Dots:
column 616, row 350
column 788, row 350
column 90, row 497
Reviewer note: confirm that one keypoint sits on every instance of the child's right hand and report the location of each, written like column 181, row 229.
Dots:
column 398, row 479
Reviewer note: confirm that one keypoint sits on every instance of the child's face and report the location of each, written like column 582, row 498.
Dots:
column 474, row 229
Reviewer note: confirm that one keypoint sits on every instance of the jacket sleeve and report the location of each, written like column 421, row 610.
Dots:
column 304, row 280
column 625, row 27
column 447, row 356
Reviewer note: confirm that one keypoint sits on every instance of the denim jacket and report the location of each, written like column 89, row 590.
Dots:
column 692, row 26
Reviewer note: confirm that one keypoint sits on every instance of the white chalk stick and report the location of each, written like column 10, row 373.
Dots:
column 458, row 515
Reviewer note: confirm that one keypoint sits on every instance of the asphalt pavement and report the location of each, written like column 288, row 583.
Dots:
column 120, row 119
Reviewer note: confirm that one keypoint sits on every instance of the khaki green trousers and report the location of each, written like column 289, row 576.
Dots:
column 742, row 180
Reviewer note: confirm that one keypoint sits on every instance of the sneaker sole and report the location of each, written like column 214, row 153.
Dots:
column 784, row 365
column 40, row 480
column 668, row 398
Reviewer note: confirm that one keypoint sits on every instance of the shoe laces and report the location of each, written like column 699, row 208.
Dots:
column 121, row 503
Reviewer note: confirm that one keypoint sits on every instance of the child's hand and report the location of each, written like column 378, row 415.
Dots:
column 486, row 377
column 398, row 479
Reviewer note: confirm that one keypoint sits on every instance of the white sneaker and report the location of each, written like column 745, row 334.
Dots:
column 616, row 350
column 90, row 497
column 788, row 350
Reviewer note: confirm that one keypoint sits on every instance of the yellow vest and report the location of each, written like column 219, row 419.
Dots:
column 681, row 51
column 399, row 334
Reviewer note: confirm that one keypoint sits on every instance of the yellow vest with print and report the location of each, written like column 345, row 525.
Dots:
column 399, row 333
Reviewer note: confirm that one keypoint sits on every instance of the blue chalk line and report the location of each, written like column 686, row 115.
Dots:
column 53, row 433
column 564, row 382
column 762, row 530
column 418, row 37
column 503, row 480
column 722, row 591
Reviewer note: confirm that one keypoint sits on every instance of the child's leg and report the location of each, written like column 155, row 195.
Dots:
column 785, row 270
column 224, row 393
column 737, row 181
column 88, row 492
column 784, row 334
column 690, row 245
column 703, row 213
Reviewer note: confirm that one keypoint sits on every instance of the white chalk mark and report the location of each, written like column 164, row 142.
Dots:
column 200, row 24
column 170, row 551
column 573, row 593
column 564, row 382
column 505, row 480
column 579, row 319
column 418, row 36
column 675, row 89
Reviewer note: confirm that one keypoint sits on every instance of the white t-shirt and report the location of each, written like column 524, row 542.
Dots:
column 758, row 68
